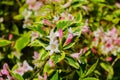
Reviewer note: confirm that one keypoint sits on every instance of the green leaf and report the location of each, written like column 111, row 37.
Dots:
column 43, row 54
column 17, row 76
column 22, row 42
column 37, row 43
column 91, row 68
column 55, row 76
column 18, row 17
column 4, row 42
column 107, row 68
column 72, row 62
column 90, row 78
column 69, row 46
column 80, row 72
column 63, row 24
column 57, row 57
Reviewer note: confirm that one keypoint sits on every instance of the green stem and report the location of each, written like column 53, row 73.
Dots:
column 19, row 3
column 114, row 61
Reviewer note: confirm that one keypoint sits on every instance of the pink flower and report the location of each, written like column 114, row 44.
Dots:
column 20, row 71
column 51, row 63
column 26, row 66
column 46, row 22
column 35, row 6
column 5, row 71
column 75, row 55
column 36, row 55
column 10, row 36
column 108, row 59
column 117, row 4
column 45, row 76
column 116, row 41
column 67, row 4
column 85, row 28
column 34, row 36
column 60, row 34
column 69, row 39
column 30, row 1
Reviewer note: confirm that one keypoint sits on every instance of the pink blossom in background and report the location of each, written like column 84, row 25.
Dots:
column 67, row 4
column 10, row 36
column 75, row 55
column 46, row 22
column 117, row 4
column 20, row 71
column 5, row 71
column 35, row 6
column 36, row 55
column 109, row 59
column 34, row 36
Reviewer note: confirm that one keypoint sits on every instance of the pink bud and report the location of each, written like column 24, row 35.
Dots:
column 94, row 50
column 67, row 4
column 84, row 49
column 10, row 36
column 51, row 63
column 45, row 76
column 108, row 59
column 69, row 39
column 46, row 22
column 60, row 34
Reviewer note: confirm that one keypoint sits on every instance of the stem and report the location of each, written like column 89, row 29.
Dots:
column 19, row 3
column 114, row 61
column 39, row 69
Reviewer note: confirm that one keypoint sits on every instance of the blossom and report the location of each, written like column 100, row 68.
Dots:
column 46, row 22
column 60, row 31
column 27, row 13
column 35, row 6
column 5, row 71
column 36, row 55
column 27, row 23
column 108, row 59
column 34, row 35
column 23, row 68
column 67, row 4
column 53, row 35
column 53, row 47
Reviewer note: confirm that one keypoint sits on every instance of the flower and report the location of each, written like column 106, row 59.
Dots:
column 67, row 4
column 36, row 55
column 53, row 47
column 27, row 13
column 1, row 19
column 60, row 31
column 23, row 68
column 34, row 35
column 53, row 35
column 5, row 71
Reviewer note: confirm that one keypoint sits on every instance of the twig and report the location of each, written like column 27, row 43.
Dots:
column 114, row 61
column 19, row 3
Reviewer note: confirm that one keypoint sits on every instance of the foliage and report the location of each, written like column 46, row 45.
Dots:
column 59, row 39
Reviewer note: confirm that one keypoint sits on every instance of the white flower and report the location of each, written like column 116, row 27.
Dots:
column 26, row 66
column 53, row 47
column 53, row 35
column 27, row 13
column 1, row 19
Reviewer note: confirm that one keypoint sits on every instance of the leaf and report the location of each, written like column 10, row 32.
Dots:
column 18, row 17
column 37, row 43
column 4, row 42
column 80, row 72
column 72, row 62
column 43, row 54
column 69, row 46
column 55, row 76
column 107, row 68
column 22, row 42
column 90, row 78
column 63, row 24
column 91, row 68
column 16, row 76
column 57, row 57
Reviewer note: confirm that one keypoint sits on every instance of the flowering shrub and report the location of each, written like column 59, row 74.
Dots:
column 59, row 40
